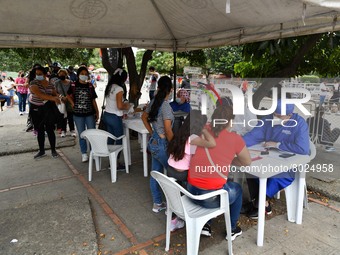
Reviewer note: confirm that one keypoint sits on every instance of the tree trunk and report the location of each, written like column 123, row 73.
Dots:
column 136, row 80
column 287, row 72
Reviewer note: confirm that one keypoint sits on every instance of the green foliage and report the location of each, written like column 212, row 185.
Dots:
column 309, row 78
column 269, row 57
column 163, row 62
column 16, row 59
column 223, row 59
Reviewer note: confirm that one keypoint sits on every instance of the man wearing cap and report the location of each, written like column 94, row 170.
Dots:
column 285, row 131
column 72, row 74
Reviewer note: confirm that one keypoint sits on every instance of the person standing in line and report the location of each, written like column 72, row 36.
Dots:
column 62, row 85
column 157, row 119
column 85, row 110
column 154, row 76
column 22, row 90
column 323, row 93
column 10, row 87
column 43, row 96
column 3, row 96
column 72, row 75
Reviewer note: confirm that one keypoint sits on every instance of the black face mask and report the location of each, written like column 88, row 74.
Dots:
column 63, row 77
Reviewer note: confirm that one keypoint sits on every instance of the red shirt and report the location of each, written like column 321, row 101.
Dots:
column 201, row 172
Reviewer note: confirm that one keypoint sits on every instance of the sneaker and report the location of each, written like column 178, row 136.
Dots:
column 206, row 231
column 40, row 154
column 246, row 208
column 253, row 214
column 176, row 223
column 73, row 133
column 235, row 233
column 21, row 113
column 55, row 154
column 63, row 134
column 329, row 148
column 159, row 207
column 84, row 157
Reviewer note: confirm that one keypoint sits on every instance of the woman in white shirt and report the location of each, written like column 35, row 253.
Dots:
column 115, row 105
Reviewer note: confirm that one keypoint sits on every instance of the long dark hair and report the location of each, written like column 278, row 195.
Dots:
column 221, row 113
column 193, row 124
column 119, row 77
column 163, row 89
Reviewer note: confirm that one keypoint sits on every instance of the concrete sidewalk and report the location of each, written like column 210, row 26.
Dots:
column 50, row 208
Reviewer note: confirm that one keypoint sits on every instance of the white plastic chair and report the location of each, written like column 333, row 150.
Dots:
column 179, row 202
column 290, row 191
column 99, row 148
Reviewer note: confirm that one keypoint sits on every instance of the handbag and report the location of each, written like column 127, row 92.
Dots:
column 213, row 164
column 102, row 124
column 62, row 108
column 51, row 113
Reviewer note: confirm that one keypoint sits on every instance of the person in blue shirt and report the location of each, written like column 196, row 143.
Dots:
column 287, row 132
column 182, row 101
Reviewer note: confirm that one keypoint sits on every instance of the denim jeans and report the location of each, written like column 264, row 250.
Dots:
column 22, row 101
column 159, row 160
column 235, row 199
column 322, row 99
column 114, row 125
column 82, row 123
column 8, row 99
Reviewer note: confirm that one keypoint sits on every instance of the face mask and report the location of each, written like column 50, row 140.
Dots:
column 62, row 77
column 178, row 100
column 39, row 77
column 83, row 77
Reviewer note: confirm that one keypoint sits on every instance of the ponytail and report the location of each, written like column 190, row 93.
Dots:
column 119, row 77
column 163, row 89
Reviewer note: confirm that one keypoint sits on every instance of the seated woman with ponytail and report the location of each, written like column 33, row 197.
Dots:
column 185, row 142
column 158, row 118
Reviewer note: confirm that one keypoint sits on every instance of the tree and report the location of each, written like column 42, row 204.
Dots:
column 223, row 59
column 112, row 58
column 24, row 58
column 285, row 58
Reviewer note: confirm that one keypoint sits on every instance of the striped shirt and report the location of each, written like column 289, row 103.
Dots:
column 34, row 99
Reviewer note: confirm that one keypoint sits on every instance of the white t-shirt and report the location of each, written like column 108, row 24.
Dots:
column 323, row 89
column 111, row 100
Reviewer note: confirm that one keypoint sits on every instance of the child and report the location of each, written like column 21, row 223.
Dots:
column 183, row 146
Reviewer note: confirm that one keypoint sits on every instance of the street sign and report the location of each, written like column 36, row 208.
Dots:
column 192, row 70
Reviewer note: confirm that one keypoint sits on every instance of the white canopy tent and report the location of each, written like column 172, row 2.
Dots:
column 166, row 25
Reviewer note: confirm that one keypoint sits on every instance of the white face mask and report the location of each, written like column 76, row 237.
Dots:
column 83, row 77
column 178, row 100
column 39, row 77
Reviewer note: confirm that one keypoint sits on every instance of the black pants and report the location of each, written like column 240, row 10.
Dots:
column 62, row 123
column 41, row 125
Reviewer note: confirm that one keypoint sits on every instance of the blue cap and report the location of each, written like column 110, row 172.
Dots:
column 289, row 108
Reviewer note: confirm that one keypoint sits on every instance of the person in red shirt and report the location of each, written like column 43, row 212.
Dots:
column 209, row 168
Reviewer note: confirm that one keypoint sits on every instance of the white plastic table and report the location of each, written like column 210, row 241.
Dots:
column 258, row 169
column 137, row 125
